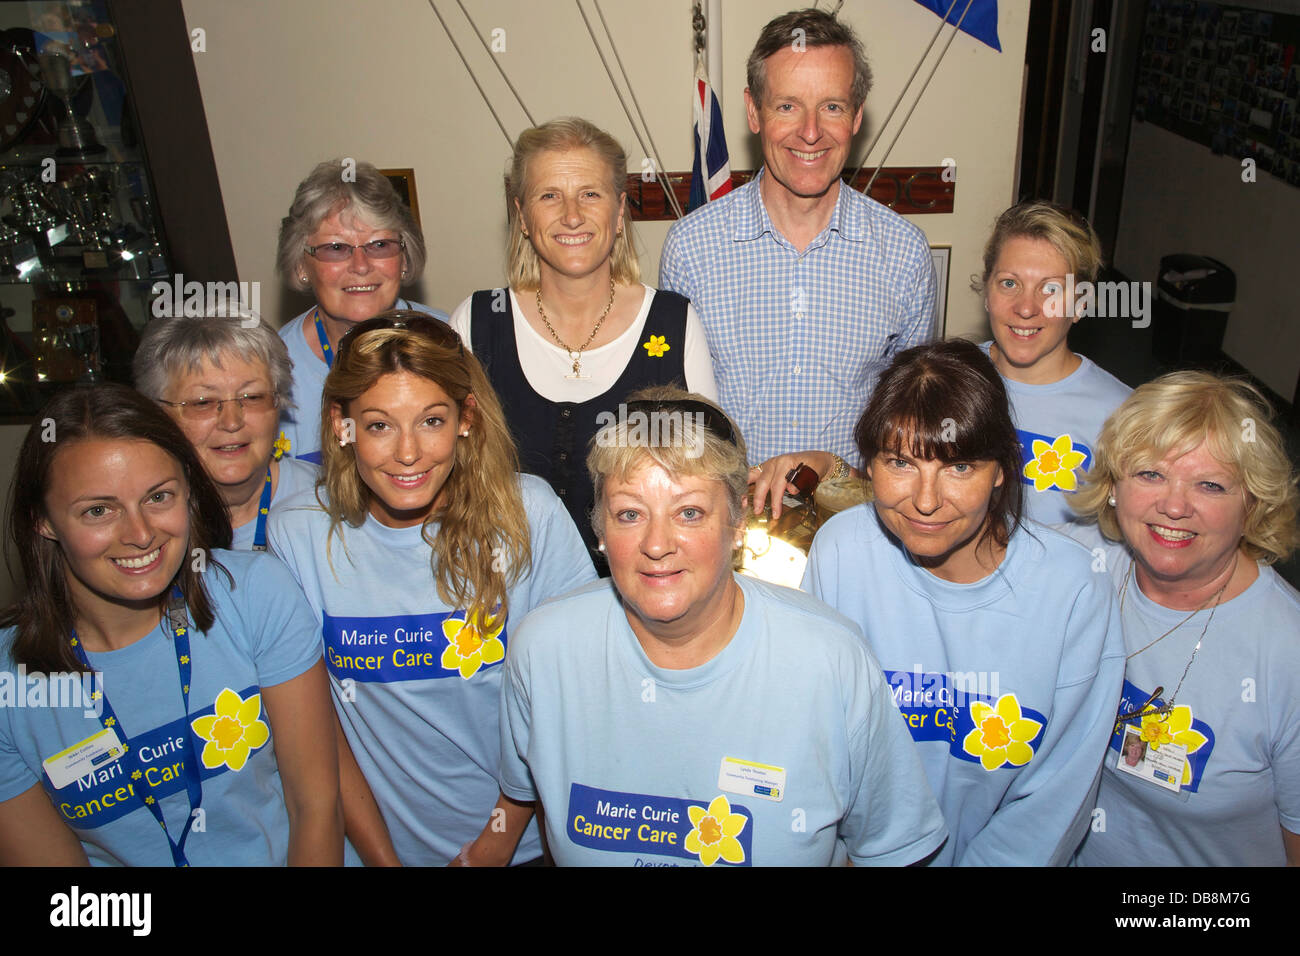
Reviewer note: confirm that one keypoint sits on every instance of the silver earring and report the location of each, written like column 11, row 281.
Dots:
column 1111, row 501
column 304, row 280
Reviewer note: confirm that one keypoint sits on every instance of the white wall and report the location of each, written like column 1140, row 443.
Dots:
column 285, row 85
column 1180, row 197
column 290, row 83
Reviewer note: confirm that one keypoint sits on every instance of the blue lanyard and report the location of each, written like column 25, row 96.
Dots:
column 178, row 624
column 263, row 509
column 325, row 349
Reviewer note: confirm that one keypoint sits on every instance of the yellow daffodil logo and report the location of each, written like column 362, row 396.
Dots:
column 1001, row 734
column 714, row 832
column 233, row 732
column 1174, row 728
column 1054, row 464
column 281, row 446
column 657, row 346
column 471, row 644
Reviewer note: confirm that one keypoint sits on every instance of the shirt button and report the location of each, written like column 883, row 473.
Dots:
column 563, row 456
column 794, row 424
column 563, row 492
column 566, row 412
column 798, row 369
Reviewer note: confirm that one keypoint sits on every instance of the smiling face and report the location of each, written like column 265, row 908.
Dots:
column 406, row 433
column 358, row 288
column 1183, row 517
column 670, row 541
column 119, row 511
column 937, row 510
column 1025, row 301
column 807, row 121
column 236, row 444
column 571, row 212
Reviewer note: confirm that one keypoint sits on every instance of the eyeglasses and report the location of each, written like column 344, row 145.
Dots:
column 342, row 252
column 404, row 319
column 206, row 409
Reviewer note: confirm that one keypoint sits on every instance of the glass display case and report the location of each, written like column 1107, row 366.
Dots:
column 81, row 243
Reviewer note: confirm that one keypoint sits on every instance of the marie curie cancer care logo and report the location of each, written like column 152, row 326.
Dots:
column 716, row 831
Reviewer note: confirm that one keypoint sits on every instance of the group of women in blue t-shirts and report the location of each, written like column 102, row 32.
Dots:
column 425, row 668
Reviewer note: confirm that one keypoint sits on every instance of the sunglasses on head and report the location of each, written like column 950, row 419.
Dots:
column 405, row 319
column 716, row 423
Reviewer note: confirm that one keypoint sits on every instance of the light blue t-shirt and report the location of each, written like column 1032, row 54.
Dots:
column 784, row 749
column 263, row 635
column 1008, row 685
column 295, row 477
column 1237, row 713
column 416, row 690
column 301, row 424
column 1057, row 423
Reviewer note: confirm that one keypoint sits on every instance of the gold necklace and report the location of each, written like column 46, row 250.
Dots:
column 1169, row 707
column 576, row 355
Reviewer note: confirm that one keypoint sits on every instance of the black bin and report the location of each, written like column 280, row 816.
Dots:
column 1194, row 297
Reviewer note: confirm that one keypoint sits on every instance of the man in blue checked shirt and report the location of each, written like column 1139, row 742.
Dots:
column 806, row 288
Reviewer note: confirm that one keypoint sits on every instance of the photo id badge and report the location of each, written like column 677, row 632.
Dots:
column 94, row 753
column 752, row 779
column 1162, row 766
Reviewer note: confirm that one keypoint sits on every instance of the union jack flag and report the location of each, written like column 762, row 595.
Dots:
column 710, row 146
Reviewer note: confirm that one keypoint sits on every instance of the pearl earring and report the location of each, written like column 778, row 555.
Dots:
column 465, row 433
column 601, row 547
column 1111, row 501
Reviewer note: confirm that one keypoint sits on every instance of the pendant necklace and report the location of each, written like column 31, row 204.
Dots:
column 1169, row 706
column 576, row 355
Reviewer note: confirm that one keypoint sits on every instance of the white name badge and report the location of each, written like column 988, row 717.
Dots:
column 1162, row 766
column 752, row 779
column 92, row 754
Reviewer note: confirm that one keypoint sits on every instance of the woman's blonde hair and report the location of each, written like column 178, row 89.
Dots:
column 480, row 536
column 1173, row 415
column 681, row 432
column 561, row 135
column 1068, row 232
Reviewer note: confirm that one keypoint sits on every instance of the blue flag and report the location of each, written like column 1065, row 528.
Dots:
column 981, row 20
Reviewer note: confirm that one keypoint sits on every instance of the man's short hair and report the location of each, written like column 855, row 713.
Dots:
column 807, row 28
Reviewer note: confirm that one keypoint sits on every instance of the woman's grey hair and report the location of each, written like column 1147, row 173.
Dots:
column 362, row 190
column 172, row 347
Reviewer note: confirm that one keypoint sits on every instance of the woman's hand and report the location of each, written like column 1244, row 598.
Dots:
column 496, row 844
column 301, row 717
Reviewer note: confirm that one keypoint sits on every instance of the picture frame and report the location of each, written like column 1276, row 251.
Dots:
column 941, row 256
column 403, row 181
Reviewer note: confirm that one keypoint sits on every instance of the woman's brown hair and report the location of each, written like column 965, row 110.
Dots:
column 43, row 614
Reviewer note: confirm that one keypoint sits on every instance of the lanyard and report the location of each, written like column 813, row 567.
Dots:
column 325, row 339
column 263, row 509
column 178, row 624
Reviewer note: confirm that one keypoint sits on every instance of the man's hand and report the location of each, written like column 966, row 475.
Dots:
column 769, row 478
